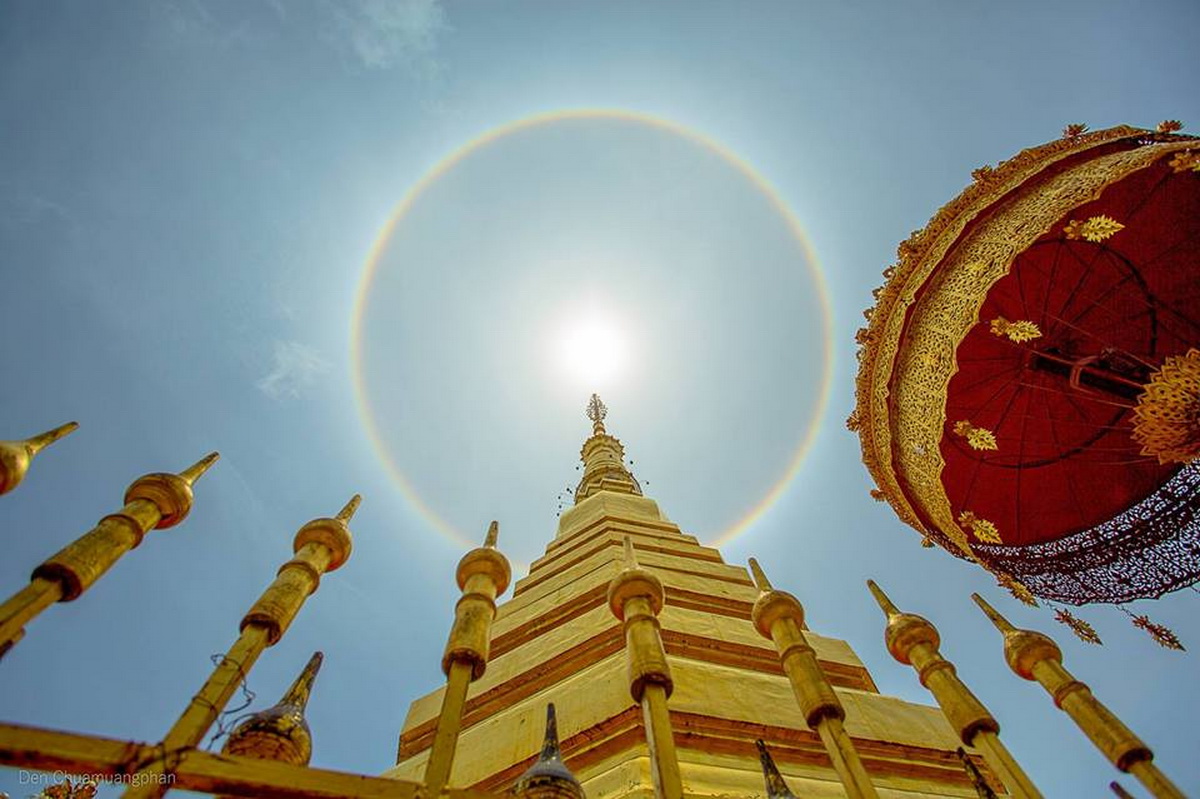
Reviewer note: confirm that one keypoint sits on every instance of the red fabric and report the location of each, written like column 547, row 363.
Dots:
column 1066, row 460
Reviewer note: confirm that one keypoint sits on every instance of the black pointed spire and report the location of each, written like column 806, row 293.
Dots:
column 549, row 777
column 981, row 787
column 776, row 787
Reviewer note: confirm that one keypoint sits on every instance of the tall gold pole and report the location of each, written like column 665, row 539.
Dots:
column 15, row 456
column 320, row 546
column 913, row 640
column 483, row 574
column 155, row 501
column 1036, row 657
column 779, row 617
column 635, row 597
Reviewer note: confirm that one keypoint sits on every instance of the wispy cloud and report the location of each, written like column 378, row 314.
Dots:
column 382, row 34
column 296, row 367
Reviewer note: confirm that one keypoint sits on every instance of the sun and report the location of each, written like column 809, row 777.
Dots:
column 591, row 349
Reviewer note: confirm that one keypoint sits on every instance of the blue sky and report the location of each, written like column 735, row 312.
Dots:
column 188, row 195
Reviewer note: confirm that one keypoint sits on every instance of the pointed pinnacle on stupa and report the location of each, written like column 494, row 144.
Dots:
column 37, row 443
column 194, row 472
column 301, row 689
column 630, row 557
column 760, row 577
column 1002, row 624
column 777, row 788
column 549, row 775
column 347, row 512
column 493, row 535
column 596, row 411
column 885, row 603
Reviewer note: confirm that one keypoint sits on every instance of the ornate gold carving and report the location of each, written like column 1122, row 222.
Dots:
column 1083, row 631
column 918, row 257
column 1167, row 417
column 1019, row 331
column 1169, row 126
column 982, row 529
column 1074, row 130
column 1094, row 229
column 1019, row 590
column 1187, row 161
column 977, row 437
column 1161, row 634
column 917, row 344
column 878, row 495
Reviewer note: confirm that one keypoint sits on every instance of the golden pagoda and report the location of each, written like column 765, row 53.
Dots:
column 560, row 640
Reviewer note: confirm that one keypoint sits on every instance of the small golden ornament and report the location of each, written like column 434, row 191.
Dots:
column 1169, row 126
column 982, row 529
column 1019, row 331
column 1083, row 631
column 1074, row 130
column 927, row 542
column 1095, row 229
column 1019, row 591
column 878, row 495
column 983, row 174
column 1160, row 633
column 1187, row 161
column 977, row 437
column 853, row 423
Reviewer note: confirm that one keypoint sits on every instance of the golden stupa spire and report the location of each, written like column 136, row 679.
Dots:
column 15, row 456
column 776, row 787
column 779, row 617
column 1034, row 656
column 548, row 777
column 280, row 732
column 914, row 641
column 603, row 459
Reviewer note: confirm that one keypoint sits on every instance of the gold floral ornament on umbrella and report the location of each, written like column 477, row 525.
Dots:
column 977, row 437
column 1094, row 229
column 1160, row 633
column 1167, row 417
column 1019, row 331
column 982, row 529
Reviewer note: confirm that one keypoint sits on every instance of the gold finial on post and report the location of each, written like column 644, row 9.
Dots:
column 548, row 777
column 914, row 641
column 15, row 456
column 349, row 509
column 320, row 546
column 777, row 788
column 1035, row 657
column 483, row 574
column 280, row 732
column 760, row 577
column 779, row 617
column 635, row 597
column 153, row 501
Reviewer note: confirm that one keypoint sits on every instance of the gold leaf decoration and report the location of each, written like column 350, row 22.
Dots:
column 1083, row 631
column 1074, row 130
column 1019, row 591
column 1160, row 633
column 1020, row 331
column 1169, row 126
column 927, row 542
column 853, row 423
column 977, row 437
column 878, row 495
column 982, row 529
column 1187, row 161
column 1167, row 417
column 983, row 174
column 1095, row 229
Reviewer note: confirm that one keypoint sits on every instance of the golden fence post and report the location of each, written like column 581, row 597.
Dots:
column 153, row 501
column 779, row 617
column 635, row 597
column 914, row 641
column 1034, row 656
column 15, row 456
column 483, row 574
column 320, row 546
